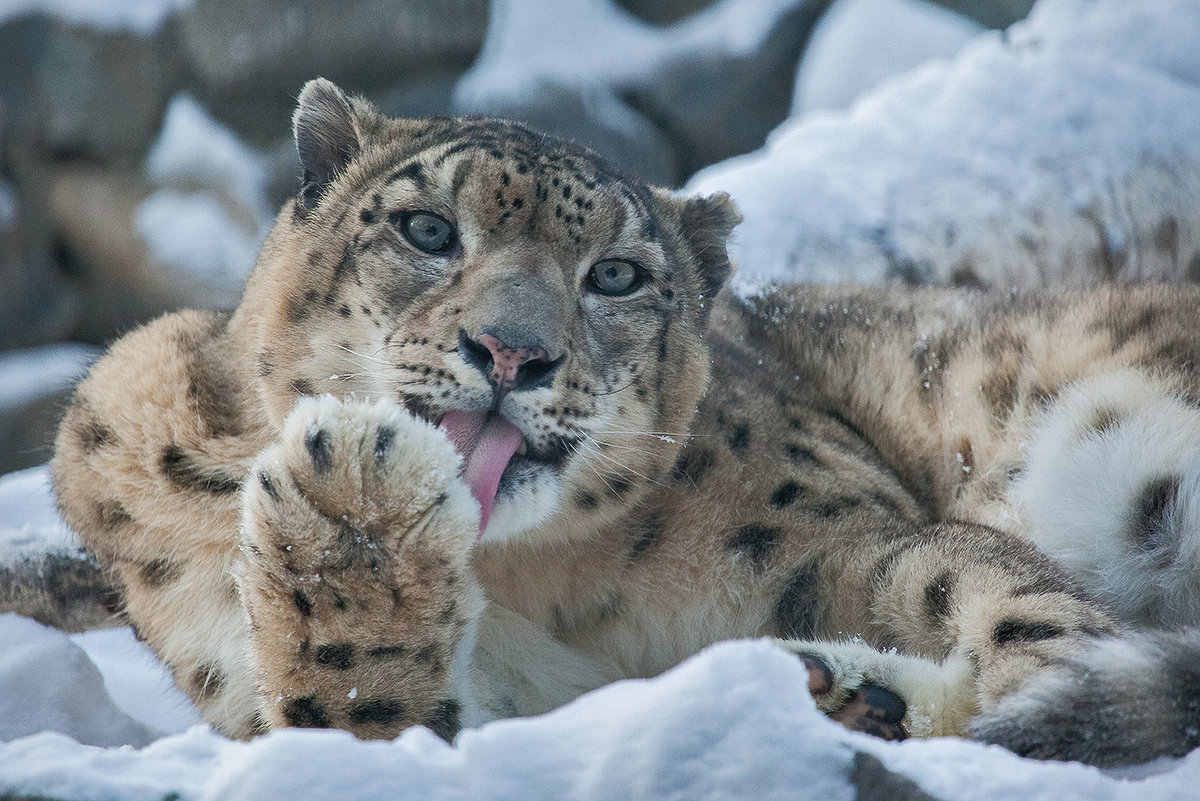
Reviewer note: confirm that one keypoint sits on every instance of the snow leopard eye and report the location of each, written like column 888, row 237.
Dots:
column 615, row 277
column 427, row 231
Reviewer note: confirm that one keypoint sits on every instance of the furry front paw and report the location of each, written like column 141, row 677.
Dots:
column 887, row 694
column 356, row 542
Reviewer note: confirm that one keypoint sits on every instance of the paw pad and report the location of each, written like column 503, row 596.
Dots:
column 874, row 710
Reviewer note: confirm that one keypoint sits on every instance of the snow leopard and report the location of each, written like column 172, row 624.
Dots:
column 488, row 430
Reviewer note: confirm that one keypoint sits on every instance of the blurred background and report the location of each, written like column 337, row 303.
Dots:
column 145, row 144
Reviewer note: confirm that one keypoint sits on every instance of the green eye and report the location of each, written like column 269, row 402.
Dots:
column 615, row 277
column 427, row 232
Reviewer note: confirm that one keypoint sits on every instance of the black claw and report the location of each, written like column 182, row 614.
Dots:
column 820, row 675
column 883, row 704
column 317, row 442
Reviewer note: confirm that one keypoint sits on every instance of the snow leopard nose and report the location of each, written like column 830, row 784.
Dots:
column 508, row 367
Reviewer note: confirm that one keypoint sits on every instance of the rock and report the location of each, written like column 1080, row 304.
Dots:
column 38, row 303
column 251, row 57
column 72, row 92
column 990, row 13
column 874, row 782
column 710, row 86
column 663, row 12
column 716, row 102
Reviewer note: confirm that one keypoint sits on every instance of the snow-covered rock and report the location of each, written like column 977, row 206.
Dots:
column 209, row 212
column 858, row 43
column 701, row 89
column 1064, row 153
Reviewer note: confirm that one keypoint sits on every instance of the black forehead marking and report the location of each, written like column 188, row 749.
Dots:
column 552, row 160
column 461, row 171
column 413, row 171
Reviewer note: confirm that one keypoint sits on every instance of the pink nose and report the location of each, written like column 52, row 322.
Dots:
column 507, row 361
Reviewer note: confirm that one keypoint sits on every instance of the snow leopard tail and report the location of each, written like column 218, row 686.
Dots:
column 1111, row 491
column 69, row 591
column 1122, row 701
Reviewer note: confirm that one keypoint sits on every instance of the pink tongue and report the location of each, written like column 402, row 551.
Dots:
column 486, row 444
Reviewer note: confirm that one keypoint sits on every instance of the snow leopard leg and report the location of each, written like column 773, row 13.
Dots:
column 968, row 615
column 356, row 541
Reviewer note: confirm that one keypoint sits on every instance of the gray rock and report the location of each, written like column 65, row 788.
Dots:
column 990, row 13
column 658, row 101
column 714, row 107
column 38, row 303
column 663, row 12
column 874, row 782
column 74, row 92
column 250, row 57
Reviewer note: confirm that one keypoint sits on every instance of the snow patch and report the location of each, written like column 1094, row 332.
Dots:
column 732, row 722
column 196, row 235
column 30, row 526
column 48, row 683
column 210, row 213
column 595, row 42
column 32, row 373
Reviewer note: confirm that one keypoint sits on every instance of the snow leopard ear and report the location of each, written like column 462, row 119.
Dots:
column 326, row 136
column 706, row 222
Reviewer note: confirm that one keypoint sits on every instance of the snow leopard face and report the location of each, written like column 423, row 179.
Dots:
column 509, row 286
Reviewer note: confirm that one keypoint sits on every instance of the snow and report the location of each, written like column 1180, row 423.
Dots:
column 209, row 212
column 858, row 43
column 94, row 716
column 48, row 682
column 32, row 373
column 144, row 17
column 29, row 524
column 733, row 722
column 948, row 160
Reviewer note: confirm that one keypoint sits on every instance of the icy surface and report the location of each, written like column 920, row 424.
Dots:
column 858, row 43
column 143, row 17
column 1081, row 112
column 32, row 373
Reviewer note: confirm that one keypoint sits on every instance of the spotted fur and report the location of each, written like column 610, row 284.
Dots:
column 868, row 475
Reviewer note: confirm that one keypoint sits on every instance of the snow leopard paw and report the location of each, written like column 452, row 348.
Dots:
column 886, row 694
column 354, row 569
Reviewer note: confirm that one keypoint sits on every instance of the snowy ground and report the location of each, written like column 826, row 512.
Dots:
column 95, row 716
